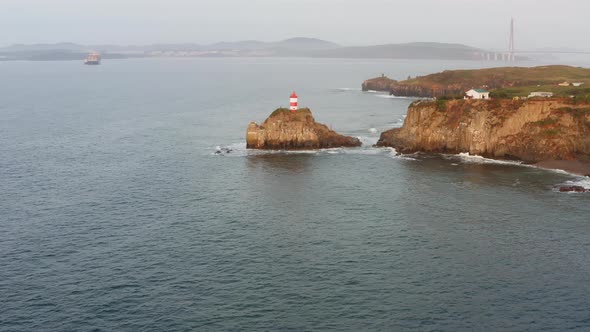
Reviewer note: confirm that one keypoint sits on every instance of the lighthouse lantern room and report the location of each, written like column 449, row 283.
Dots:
column 293, row 102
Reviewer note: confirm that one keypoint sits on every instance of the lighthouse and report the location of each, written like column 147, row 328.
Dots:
column 293, row 102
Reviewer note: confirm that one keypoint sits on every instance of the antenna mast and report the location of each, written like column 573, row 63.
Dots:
column 511, row 43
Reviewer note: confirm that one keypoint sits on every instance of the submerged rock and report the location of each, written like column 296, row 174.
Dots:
column 577, row 189
column 287, row 130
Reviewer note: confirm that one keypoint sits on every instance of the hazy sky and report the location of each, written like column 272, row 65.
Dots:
column 481, row 23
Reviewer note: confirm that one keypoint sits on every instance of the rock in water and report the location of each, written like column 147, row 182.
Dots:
column 287, row 130
column 576, row 189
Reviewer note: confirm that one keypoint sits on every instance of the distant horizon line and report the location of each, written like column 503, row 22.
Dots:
column 338, row 44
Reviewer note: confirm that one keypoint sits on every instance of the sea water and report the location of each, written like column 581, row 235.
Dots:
column 117, row 214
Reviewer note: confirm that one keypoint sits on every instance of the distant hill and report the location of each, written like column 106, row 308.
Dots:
column 293, row 47
column 299, row 43
column 42, row 47
column 405, row 51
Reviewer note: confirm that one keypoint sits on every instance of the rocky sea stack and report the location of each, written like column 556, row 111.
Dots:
column 531, row 131
column 287, row 130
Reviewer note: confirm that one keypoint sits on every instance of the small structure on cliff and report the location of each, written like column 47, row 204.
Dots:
column 541, row 94
column 288, row 129
column 454, row 83
column 293, row 102
column 477, row 94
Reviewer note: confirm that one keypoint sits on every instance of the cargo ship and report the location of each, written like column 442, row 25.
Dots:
column 92, row 59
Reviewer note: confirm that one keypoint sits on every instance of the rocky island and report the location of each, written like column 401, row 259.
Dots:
column 294, row 130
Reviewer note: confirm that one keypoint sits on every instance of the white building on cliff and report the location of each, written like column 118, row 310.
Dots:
column 477, row 94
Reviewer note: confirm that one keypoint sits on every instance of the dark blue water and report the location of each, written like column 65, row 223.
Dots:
column 116, row 215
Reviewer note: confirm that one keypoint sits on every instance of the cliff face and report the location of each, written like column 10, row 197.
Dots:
column 378, row 84
column 403, row 89
column 285, row 130
column 531, row 131
column 456, row 82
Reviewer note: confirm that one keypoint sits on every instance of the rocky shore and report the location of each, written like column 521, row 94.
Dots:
column 570, row 166
column 287, row 130
column 546, row 132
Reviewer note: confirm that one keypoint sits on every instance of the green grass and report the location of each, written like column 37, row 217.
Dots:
column 441, row 105
column 524, row 91
column 543, row 75
column 550, row 132
column 286, row 110
column 545, row 122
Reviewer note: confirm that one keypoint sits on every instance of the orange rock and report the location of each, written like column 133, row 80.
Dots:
column 286, row 130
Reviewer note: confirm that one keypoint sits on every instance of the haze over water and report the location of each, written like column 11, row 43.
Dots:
column 116, row 213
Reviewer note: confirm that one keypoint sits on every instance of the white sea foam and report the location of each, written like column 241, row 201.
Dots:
column 348, row 89
column 397, row 124
column 367, row 151
column 475, row 159
column 388, row 96
column 368, row 140
column 579, row 181
column 582, row 182
column 239, row 149
column 393, row 154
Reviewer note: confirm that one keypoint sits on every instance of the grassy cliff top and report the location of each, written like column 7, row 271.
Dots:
column 505, row 76
column 286, row 111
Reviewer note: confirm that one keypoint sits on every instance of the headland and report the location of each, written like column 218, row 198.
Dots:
column 538, row 115
column 504, row 82
column 548, row 132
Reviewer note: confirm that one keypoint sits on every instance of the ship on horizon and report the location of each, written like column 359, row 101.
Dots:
column 92, row 59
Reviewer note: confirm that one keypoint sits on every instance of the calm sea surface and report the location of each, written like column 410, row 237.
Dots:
column 116, row 215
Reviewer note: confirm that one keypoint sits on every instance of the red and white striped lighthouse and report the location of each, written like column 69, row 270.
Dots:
column 293, row 102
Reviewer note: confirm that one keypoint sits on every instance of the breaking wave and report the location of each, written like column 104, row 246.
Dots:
column 582, row 182
column 397, row 124
column 475, row 159
column 348, row 89
column 388, row 96
column 393, row 154
column 239, row 149
column 368, row 141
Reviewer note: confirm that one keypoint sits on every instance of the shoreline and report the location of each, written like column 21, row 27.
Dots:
column 571, row 166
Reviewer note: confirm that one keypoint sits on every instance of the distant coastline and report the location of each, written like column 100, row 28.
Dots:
column 294, row 47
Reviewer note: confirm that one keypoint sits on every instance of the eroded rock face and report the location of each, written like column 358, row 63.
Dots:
column 286, row 130
column 531, row 131
column 378, row 84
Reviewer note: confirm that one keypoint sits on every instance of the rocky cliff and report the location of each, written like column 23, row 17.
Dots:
column 382, row 83
column 456, row 82
column 406, row 89
column 532, row 131
column 286, row 130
